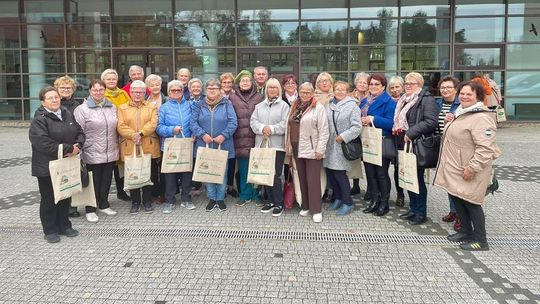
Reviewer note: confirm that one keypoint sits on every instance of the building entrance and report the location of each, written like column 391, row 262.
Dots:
column 279, row 61
column 157, row 62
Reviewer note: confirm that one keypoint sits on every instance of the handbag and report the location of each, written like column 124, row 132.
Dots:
column 85, row 178
column 351, row 150
column 288, row 191
column 427, row 149
column 389, row 149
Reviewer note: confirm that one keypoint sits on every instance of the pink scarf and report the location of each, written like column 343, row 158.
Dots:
column 405, row 103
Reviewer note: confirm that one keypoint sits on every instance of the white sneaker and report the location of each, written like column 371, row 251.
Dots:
column 317, row 217
column 108, row 211
column 92, row 217
column 304, row 212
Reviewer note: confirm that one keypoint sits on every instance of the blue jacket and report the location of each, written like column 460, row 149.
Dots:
column 453, row 107
column 220, row 121
column 171, row 114
column 382, row 110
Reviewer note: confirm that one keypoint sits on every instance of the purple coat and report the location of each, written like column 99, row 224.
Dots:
column 244, row 105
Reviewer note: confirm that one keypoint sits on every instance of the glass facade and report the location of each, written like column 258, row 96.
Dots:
column 43, row 39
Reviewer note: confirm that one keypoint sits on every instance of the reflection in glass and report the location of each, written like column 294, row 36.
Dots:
column 142, row 10
column 268, row 33
column 204, row 10
column 523, row 56
column 425, row 58
column 373, row 8
column 43, row 61
column 522, row 108
column 373, row 58
column 267, row 10
column 523, row 7
column 43, row 11
column 479, row 29
column 82, row 84
column 315, row 9
column 146, row 34
column 88, row 35
column 323, row 32
column 478, row 57
column 374, row 31
column 43, row 36
column 439, row 8
column 312, row 77
column 523, row 83
column 10, row 61
column 206, row 60
column 10, row 11
column 479, row 7
column 420, row 30
column 88, row 11
column 205, row 34
column 9, row 36
column 10, row 109
column 88, row 61
column 520, row 29
column 324, row 59
column 10, row 86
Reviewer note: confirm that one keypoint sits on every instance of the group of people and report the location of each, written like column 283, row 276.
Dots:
column 307, row 124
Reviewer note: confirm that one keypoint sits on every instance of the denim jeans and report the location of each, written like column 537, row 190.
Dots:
column 171, row 184
column 452, row 203
column 418, row 202
column 217, row 192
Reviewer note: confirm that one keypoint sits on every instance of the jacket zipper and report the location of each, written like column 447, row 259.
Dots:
column 106, row 134
column 212, row 121
column 311, row 141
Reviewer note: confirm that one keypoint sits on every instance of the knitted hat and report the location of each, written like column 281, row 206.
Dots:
column 242, row 74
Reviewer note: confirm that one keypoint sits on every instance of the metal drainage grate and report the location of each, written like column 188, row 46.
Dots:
column 280, row 235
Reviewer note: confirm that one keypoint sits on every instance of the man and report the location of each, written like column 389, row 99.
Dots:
column 135, row 73
column 261, row 76
column 184, row 75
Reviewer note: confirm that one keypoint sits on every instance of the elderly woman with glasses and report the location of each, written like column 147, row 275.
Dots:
column 324, row 86
column 395, row 89
column 361, row 81
column 416, row 115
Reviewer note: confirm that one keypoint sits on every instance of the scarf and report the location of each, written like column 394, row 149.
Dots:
column 212, row 103
column 271, row 100
column 114, row 93
column 479, row 106
column 405, row 103
column 300, row 109
column 291, row 98
column 99, row 103
column 156, row 101
column 359, row 96
column 370, row 100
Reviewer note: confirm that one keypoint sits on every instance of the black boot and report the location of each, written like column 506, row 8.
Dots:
column 356, row 187
column 372, row 207
column 382, row 209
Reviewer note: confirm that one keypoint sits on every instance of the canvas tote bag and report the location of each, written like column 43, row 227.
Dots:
column 408, row 178
column 262, row 165
column 210, row 165
column 177, row 155
column 137, row 170
column 87, row 197
column 371, row 145
column 65, row 175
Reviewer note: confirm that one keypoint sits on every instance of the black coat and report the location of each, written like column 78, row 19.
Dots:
column 47, row 131
column 423, row 117
column 70, row 104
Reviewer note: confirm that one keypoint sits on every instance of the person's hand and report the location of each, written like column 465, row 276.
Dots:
column 339, row 139
column 76, row 150
column 366, row 121
column 207, row 138
column 193, row 139
column 406, row 139
column 448, row 117
column 468, row 174
column 219, row 139
column 177, row 130
column 136, row 137
column 318, row 156
column 267, row 132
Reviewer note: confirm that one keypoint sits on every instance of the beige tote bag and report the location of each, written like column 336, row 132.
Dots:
column 65, row 175
column 137, row 170
column 87, row 197
column 262, row 165
column 408, row 178
column 210, row 165
column 177, row 155
column 371, row 145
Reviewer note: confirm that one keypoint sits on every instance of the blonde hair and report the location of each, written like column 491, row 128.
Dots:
column 226, row 75
column 151, row 78
column 272, row 82
column 65, row 80
column 417, row 77
column 107, row 72
column 327, row 75
column 341, row 83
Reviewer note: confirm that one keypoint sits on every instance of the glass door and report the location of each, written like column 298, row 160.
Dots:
column 152, row 61
column 279, row 61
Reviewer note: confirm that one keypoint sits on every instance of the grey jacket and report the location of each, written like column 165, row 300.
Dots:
column 99, row 126
column 347, row 116
column 274, row 116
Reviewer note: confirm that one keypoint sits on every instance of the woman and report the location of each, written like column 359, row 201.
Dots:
column 137, row 122
column 97, row 118
column 65, row 86
column 118, row 97
column 227, row 82
column 53, row 125
column 360, row 92
column 195, row 90
column 448, row 104
column 174, row 121
column 290, row 86
column 306, row 138
column 344, row 126
column 323, row 88
column 495, row 98
column 268, row 122
column 416, row 115
column 244, row 100
column 213, row 123
column 395, row 89
column 471, row 135
column 377, row 111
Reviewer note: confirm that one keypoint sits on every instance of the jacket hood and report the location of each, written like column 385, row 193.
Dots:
column 91, row 103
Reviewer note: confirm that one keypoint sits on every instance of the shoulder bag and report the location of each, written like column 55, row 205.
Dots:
column 351, row 150
column 426, row 149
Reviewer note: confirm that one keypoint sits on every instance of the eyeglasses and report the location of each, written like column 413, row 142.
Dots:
column 408, row 84
column 212, row 89
column 175, row 91
column 324, row 80
column 98, row 90
column 374, row 84
column 290, row 83
column 446, row 88
column 245, row 80
column 137, row 92
column 52, row 98
column 306, row 92
column 65, row 88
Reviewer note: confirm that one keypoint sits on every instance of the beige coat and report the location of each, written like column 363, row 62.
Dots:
column 313, row 133
column 133, row 119
column 468, row 141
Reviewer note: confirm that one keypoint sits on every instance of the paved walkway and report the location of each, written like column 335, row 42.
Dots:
column 244, row 256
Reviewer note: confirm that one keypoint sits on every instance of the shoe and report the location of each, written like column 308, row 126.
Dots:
column 367, row 197
column 123, row 196
column 134, row 209
column 52, row 238
column 457, row 225
column 268, row 208
column 474, row 246
column 70, row 232
column 73, row 212
column 168, row 208
column 108, row 211
column 450, row 217
column 325, row 195
column 372, row 207
column 278, row 210
column 158, row 199
column 148, row 207
column 355, row 190
column 92, row 217
column 232, row 192
column 211, row 205
column 242, row 203
column 400, row 201
column 221, row 205
column 344, row 210
column 335, row 205
column 259, row 204
column 406, row 215
column 188, row 205
column 381, row 211
column 317, row 217
column 417, row 220
column 459, row 237
column 304, row 212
